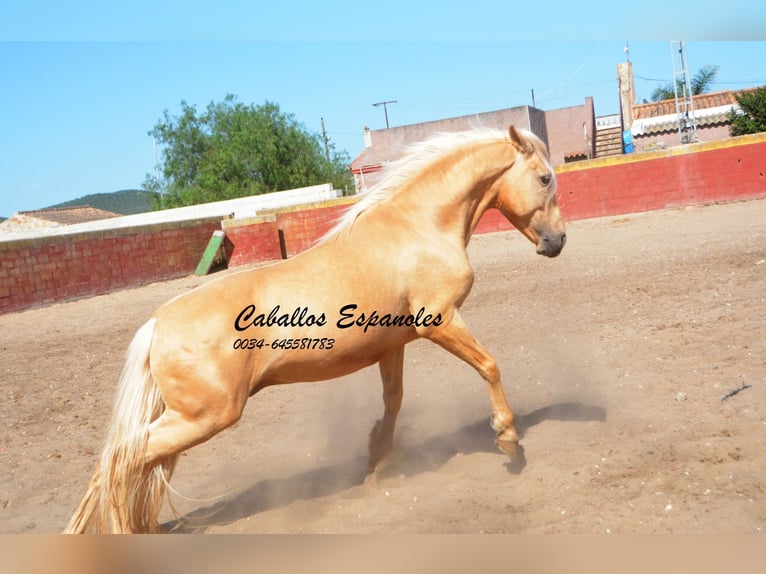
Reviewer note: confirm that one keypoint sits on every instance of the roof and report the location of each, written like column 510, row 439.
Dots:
column 54, row 217
column 709, row 109
column 70, row 215
column 701, row 101
column 669, row 122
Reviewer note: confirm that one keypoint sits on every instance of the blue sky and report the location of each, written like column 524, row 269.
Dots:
column 82, row 86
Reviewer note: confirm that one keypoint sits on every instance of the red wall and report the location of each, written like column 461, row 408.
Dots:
column 251, row 240
column 45, row 270
column 302, row 227
column 702, row 173
column 256, row 239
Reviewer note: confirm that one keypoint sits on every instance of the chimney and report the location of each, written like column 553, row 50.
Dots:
column 367, row 137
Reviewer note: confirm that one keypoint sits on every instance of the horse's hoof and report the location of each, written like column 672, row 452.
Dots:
column 509, row 447
column 370, row 481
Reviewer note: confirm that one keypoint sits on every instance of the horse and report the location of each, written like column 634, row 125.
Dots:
column 393, row 269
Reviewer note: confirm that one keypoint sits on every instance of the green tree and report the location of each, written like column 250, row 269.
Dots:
column 751, row 117
column 235, row 150
column 699, row 84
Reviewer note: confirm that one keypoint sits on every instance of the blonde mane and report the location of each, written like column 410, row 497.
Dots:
column 415, row 158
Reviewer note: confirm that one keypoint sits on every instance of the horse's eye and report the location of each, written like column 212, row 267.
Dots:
column 545, row 179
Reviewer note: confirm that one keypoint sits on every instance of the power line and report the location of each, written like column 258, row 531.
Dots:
column 667, row 80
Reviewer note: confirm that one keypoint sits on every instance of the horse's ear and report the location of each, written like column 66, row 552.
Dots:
column 517, row 141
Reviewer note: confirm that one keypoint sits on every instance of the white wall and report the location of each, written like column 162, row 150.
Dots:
column 240, row 207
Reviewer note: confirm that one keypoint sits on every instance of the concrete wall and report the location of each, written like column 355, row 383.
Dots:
column 571, row 131
column 239, row 207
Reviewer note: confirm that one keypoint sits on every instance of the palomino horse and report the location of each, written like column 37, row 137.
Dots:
column 395, row 268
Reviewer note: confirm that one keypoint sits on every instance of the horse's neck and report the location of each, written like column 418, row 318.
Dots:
column 455, row 192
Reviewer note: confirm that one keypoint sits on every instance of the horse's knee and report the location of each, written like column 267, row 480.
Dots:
column 490, row 371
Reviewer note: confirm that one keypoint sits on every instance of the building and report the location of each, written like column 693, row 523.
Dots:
column 568, row 132
column 655, row 125
column 572, row 133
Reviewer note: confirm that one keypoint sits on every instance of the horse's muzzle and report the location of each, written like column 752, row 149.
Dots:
column 551, row 245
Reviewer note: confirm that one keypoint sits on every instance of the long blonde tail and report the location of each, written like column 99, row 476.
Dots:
column 125, row 494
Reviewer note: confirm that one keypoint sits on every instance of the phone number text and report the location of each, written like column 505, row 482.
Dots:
column 304, row 343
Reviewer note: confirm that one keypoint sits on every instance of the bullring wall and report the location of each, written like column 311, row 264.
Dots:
column 44, row 270
column 719, row 171
column 256, row 239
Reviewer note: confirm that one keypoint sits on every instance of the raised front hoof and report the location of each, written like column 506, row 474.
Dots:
column 508, row 446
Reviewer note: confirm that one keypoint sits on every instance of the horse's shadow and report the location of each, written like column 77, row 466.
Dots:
column 428, row 455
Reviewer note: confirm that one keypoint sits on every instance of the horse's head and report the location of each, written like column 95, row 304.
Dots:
column 527, row 194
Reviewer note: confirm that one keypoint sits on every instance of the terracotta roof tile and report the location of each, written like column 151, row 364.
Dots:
column 70, row 215
column 701, row 101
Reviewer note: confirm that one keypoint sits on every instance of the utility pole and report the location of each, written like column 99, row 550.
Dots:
column 385, row 109
column 325, row 139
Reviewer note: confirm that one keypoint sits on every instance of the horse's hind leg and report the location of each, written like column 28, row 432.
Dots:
column 382, row 435
column 189, row 419
column 175, row 431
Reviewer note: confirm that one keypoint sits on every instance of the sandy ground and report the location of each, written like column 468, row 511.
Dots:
column 616, row 357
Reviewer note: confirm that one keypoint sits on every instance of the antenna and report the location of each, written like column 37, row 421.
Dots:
column 385, row 109
column 687, row 123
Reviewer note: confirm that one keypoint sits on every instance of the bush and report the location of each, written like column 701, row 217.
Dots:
column 751, row 117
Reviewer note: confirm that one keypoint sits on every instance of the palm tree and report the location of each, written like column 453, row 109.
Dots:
column 700, row 84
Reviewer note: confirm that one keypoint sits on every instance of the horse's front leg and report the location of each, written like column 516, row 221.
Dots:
column 454, row 336
column 382, row 435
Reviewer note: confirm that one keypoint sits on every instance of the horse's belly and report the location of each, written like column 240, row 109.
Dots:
column 333, row 356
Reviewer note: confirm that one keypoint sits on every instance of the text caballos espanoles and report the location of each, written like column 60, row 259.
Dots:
column 348, row 317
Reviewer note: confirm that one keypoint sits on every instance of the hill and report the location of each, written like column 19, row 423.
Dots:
column 125, row 202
